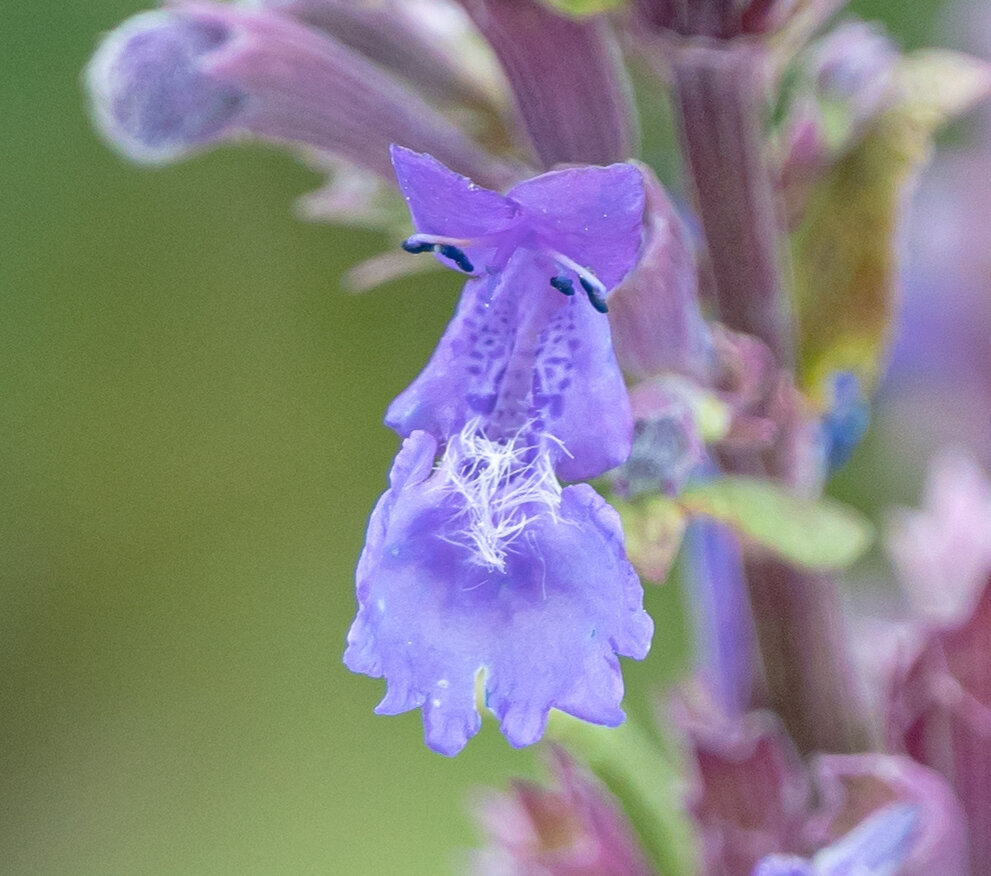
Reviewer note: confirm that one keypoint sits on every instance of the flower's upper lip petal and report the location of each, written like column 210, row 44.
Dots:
column 447, row 203
column 593, row 215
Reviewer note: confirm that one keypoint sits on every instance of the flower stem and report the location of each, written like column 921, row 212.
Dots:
column 721, row 87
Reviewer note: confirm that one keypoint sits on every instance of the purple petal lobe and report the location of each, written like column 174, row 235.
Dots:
column 590, row 214
column 446, row 203
column 505, row 576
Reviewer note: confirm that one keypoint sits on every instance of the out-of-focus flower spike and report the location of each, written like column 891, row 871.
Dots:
column 940, row 714
column 655, row 315
column 413, row 40
column 172, row 82
column 576, row 829
column 569, row 87
column 885, row 812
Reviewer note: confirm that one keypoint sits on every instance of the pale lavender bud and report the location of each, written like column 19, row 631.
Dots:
column 855, row 64
column 654, row 313
column 172, row 82
column 575, row 830
column 566, row 77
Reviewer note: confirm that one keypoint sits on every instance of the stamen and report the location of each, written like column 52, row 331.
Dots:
column 450, row 248
column 418, row 246
column 563, row 285
column 594, row 296
column 457, row 256
column 590, row 283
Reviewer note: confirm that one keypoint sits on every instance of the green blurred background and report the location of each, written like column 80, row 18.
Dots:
column 191, row 414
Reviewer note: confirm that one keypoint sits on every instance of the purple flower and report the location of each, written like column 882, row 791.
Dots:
column 524, row 350
column 486, row 566
column 576, row 829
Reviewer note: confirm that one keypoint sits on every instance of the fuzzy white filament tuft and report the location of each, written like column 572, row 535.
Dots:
column 504, row 484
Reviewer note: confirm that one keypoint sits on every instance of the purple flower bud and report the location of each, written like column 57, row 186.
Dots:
column 150, row 95
column 940, row 713
column 570, row 90
column 486, row 567
column 574, row 830
column 724, row 627
column 656, row 319
column 750, row 790
column 175, row 81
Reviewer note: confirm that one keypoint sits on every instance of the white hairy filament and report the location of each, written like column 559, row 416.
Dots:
column 504, row 484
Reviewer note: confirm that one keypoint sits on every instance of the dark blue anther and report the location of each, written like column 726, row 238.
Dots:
column 416, row 247
column 456, row 256
column 598, row 302
column 563, row 285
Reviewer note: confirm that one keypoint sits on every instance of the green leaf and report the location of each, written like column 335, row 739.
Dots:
column 817, row 534
column 843, row 251
column 583, row 8
column 646, row 779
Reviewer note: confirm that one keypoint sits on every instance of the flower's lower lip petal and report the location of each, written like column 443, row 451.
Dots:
column 546, row 630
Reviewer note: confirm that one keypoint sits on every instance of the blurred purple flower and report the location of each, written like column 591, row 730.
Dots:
column 757, row 803
column 486, row 566
column 749, row 789
column 576, row 829
column 943, row 552
column 876, row 847
column 939, row 708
